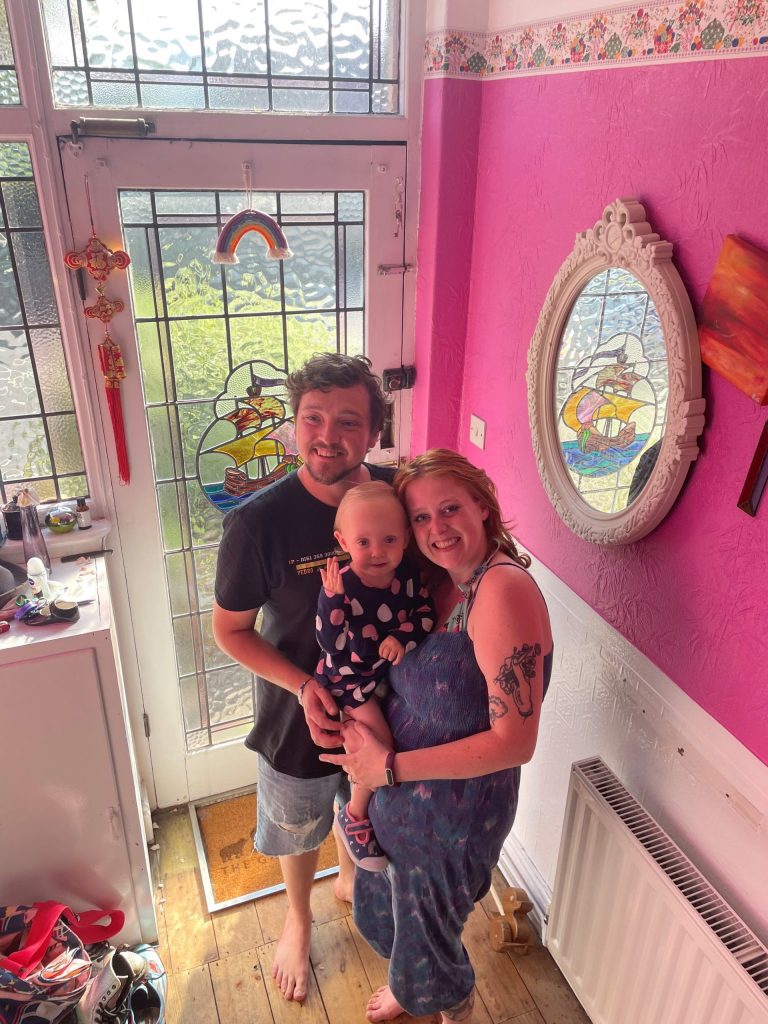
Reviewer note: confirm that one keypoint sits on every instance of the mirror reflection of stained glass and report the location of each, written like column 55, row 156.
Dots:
column 611, row 386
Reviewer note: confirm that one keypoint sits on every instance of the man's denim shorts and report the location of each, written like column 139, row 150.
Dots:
column 295, row 815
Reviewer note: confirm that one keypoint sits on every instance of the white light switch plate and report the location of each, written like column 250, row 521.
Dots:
column 477, row 430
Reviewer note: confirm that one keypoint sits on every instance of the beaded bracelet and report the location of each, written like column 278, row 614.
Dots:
column 300, row 691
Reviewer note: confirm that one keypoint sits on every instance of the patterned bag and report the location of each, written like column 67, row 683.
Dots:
column 44, row 967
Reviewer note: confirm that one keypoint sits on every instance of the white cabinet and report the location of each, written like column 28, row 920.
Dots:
column 71, row 825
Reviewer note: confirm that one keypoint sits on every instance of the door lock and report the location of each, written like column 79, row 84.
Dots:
column 399, row 379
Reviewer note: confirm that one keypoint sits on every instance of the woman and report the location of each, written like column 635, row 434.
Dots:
column 464, row 713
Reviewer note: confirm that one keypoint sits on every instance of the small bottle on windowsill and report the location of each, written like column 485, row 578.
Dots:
column 83, row 515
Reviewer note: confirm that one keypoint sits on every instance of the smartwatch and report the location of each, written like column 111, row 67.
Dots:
column 389, row 769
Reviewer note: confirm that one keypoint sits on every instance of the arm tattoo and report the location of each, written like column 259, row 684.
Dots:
column 516, row 675
column 497, row 708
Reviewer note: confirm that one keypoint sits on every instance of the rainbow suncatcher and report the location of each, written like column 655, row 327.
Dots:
column 243, row 222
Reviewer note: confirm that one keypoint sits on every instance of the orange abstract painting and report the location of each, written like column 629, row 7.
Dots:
column 733, row 328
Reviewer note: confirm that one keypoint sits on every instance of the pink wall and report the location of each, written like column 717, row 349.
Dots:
column 446, row 218
column 689, row 141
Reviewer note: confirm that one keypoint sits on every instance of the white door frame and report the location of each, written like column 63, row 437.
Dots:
column 111, row 164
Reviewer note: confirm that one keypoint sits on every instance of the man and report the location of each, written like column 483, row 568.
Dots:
column 270, row 555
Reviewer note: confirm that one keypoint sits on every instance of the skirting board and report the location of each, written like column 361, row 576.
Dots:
column 519, row 870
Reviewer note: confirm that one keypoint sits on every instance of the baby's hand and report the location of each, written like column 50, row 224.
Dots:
column 331, row 577
column 391, row 649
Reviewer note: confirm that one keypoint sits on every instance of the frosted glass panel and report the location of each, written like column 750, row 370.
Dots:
column 205, row 571
column 243, row 51
column 175, row 567
column 304, row 56
column 169, row 516
column 37, row 446
column 201, row 326
column 51, row 369
column 9, row 88
column 298, row 37
column 310, row 277
column 230, row 695
column 45, row 489
column 14, row 160
column 10, row 308
column 167, row 35
column 34, row 275
column 23, row 449
column 65, row 444
column 185, row 650
column 205, row 519
column 214, row 656
column 160, row 436
column 200, row 357
column 70, row 89
column 258, row 338
column 351, row 26
column 194, row 417
column 18, row 394
column 21, row 204
column 114, row 93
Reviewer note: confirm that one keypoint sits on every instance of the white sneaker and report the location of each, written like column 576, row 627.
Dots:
column 105, row 1000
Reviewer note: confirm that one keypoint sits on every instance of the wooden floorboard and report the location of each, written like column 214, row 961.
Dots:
column 220, row 965
column 240, row 989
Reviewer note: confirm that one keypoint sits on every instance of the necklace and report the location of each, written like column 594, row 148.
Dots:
column 466, row 587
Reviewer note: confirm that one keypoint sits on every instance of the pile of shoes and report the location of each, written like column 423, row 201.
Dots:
column 128, row 987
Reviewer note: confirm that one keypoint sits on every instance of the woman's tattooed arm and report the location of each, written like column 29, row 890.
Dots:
column 516, row 676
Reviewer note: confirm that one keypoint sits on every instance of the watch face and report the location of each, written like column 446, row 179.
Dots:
column 389, row 776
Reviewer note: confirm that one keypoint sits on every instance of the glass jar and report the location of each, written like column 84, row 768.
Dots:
column 31, row 534
column 61, row 519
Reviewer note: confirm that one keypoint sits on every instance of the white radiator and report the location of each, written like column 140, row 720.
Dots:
column 638, row 932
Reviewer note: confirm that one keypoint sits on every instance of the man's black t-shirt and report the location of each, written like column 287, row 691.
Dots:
column 273, row 547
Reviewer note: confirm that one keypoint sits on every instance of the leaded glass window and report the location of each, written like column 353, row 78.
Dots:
column 9, row 86
column 39, row 439
column 206, row 333
column 289, row 56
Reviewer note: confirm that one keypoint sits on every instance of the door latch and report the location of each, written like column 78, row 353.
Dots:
column 385, row 269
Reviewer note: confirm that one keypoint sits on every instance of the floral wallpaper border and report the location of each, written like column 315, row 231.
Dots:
column 696, row 29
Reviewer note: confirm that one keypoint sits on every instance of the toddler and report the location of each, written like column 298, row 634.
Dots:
column 369, row 615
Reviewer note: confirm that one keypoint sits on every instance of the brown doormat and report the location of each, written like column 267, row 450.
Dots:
column 232, row 870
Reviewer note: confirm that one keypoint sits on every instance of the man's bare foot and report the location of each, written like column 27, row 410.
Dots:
column 382, row 1005
column 290, row 966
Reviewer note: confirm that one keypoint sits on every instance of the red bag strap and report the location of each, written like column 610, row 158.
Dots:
column 25, row 960
column 87, row 930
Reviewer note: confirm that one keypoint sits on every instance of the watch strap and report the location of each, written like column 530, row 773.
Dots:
column 389, row 769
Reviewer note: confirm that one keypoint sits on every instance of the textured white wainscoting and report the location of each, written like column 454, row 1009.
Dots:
column 606, row 698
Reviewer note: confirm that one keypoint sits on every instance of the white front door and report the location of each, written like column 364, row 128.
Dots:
column 206, row 348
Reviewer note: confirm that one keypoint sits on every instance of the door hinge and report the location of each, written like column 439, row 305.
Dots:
column 395, row 268
column 146, row 725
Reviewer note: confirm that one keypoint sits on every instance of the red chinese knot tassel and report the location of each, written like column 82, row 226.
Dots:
column 113, row 371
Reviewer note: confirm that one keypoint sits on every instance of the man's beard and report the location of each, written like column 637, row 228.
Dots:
column 330, row 475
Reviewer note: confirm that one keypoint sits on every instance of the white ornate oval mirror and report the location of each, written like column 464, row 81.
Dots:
column 614, row 381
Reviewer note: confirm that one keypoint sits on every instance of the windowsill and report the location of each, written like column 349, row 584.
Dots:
column 73, row 543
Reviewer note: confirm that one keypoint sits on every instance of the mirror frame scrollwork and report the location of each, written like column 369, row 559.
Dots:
column 622, row 238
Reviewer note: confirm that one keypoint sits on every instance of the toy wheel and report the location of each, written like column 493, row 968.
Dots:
column 500, row 934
